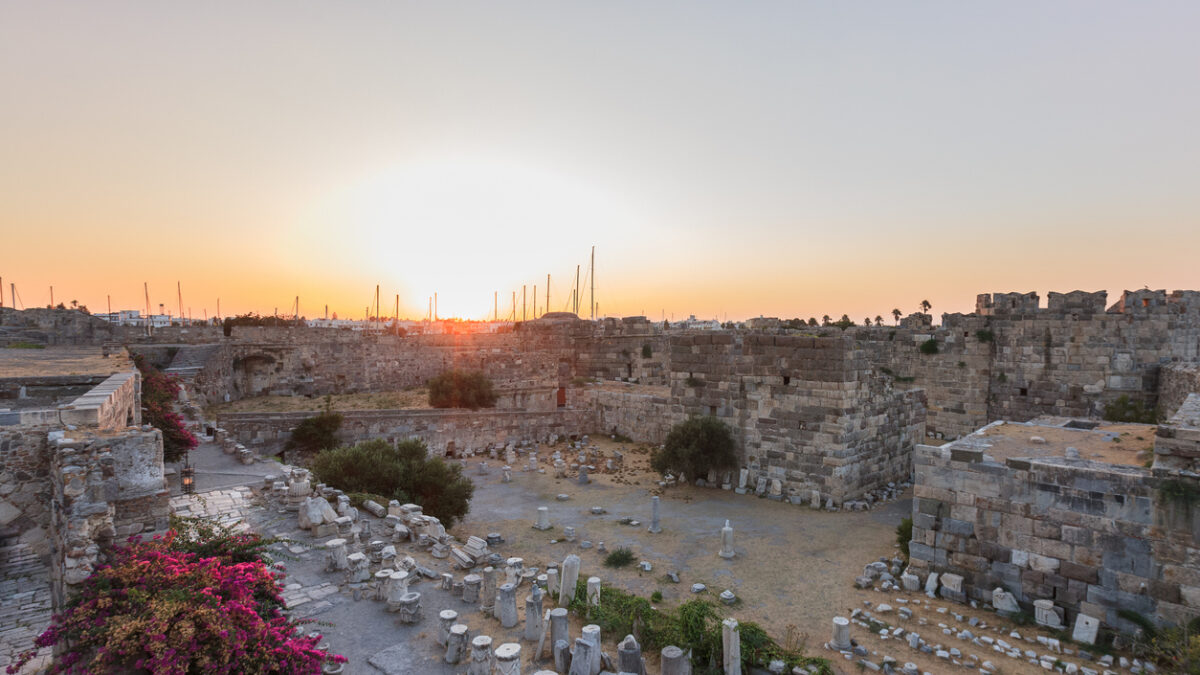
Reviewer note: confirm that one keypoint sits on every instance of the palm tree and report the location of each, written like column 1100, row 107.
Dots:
column 825, row 320
column 867, row 321
column 896, row 315
column 925, row 306
column 878, row 320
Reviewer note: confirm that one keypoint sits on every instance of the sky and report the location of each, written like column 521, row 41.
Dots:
column 726, row 160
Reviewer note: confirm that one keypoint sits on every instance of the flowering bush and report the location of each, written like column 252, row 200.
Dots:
column 159, row 392
column 160, row 610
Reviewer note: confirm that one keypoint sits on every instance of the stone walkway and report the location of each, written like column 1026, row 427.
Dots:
column 24, row 604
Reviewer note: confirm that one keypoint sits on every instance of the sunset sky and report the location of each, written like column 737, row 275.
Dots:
column 726, row 159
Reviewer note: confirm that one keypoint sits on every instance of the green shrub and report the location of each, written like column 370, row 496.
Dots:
column 1179, row 492
column 24, row 344
column 621, row 557
column 929, row 346
column 315, row 433
column 404, row 472
column 693, row 381
column 461, row 389
column 656, row 596
column 696, row 446
column 985, row 335
column 647, row 351
column 904, row 535
column 1125, row 410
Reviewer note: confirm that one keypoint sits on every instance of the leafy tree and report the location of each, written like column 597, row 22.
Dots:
column 696, row 446
column 896, row 315
column 316, row 433
column 812, row 320
column 461, row 389
column 404, row 472
column 825, row 320
column 844, row 322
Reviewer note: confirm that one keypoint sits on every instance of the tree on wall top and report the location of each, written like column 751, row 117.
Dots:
column 925, row 306
column 896, row 315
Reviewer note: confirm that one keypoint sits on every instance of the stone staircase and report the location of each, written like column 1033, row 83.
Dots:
column 190, row 359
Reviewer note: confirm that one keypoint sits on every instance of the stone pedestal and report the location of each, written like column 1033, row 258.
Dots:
column 674, row 661
column 358, row 568
column 731, row 647
column 397, row 589
column 506, row 606
column 456, row 644
column 1086, row 628
column 336, row 556
column 581, row 660
column 381, row 583
column 543, row 518
column 481, row 656
column 508, row 659
column 409, row 608
column 654, row 524
column 471, row 586
column 446, row 619
column 552, row 581
column 841, row 634
column 562, row 656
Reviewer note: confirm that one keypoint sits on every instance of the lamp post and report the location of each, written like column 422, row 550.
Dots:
column 188, row 475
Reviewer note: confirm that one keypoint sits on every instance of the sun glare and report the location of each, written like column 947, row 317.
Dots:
column 467, row 227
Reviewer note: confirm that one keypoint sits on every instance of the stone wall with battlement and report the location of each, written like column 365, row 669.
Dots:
column 447, row 432
column 807, row 412
column 1092, row 537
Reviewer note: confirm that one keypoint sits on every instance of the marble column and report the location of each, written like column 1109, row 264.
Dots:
column 471, row 584
column 570, row 577
column 581, row 660
column 506, row 605
column 543, row 518
column 446, row 619
column 629, row 657
column 562, row 656
column 533, row 618
column 456, row 644
column 726, row 541
column 487, row 594
column 593, row 591
column 841, row 633
column 552, row 581
column 654, row 528
column 731, row 647
column 397, row 589
column 591, row 633
column 560, row 626
column 675, row 662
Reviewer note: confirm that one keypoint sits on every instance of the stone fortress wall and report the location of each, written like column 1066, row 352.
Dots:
column 1092, row 537
column 1015, row 360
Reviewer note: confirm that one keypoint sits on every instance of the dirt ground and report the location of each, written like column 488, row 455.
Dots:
column 61, row 361
column 794, row 568
column 793, row 572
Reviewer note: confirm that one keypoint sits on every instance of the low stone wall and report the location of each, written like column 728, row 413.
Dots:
column 1092, row 537
column 115, row 403
column 447, row 432
column 105, row 486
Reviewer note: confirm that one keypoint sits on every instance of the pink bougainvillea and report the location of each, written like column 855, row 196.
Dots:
column 167, row 611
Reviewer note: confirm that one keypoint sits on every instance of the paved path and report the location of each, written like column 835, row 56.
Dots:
column 24, row 604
